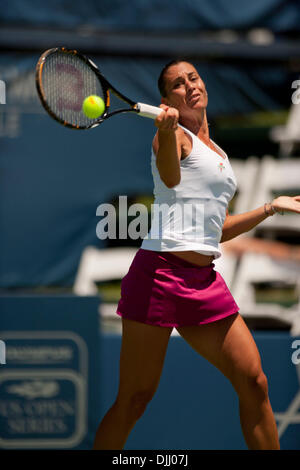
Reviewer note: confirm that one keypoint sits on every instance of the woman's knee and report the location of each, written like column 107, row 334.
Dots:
column 135, row 402
column 140, row 400
column 252, row 384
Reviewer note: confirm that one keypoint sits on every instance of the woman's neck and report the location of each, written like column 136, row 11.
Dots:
column 197, row 125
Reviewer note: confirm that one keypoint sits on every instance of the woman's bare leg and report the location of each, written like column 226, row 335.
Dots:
column 229, row 345
column 141, row 361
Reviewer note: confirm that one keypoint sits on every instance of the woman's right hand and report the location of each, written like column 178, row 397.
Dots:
column 168, row 119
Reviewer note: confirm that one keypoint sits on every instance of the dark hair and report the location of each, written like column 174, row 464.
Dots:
column 161, row 79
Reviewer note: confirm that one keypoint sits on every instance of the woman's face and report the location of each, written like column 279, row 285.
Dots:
column 184, row 87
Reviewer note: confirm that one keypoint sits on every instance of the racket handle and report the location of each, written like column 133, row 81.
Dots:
column 148, row 111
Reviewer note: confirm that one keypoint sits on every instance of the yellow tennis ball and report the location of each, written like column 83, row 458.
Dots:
column 93, row 106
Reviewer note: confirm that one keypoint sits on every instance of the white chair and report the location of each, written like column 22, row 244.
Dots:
column 288, row 136
column 104, row 265
column 280, row 177
column 246, row 172
column 101, row 265
column 254, row 268
column 295, row 330
column 226, row 265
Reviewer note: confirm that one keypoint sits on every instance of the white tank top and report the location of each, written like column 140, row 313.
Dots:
column 190, row 216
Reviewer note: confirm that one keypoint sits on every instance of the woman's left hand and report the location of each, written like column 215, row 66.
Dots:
column 286, row 203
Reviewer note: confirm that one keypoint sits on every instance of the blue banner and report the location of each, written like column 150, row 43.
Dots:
column 139, row 15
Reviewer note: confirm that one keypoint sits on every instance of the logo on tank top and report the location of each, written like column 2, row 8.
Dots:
column 221, row 166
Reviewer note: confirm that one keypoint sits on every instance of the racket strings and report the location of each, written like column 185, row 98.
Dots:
column 67, row 80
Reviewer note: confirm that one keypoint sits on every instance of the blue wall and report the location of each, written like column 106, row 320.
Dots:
column 61, row 376
column 195, row 407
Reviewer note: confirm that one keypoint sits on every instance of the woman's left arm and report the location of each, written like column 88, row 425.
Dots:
column 235, row 225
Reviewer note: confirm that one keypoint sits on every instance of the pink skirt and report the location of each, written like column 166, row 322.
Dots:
column 163, row 290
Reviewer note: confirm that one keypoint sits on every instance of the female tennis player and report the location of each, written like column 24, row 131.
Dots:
column 172, row 282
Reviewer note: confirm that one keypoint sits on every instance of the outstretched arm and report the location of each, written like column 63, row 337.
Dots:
column 235, row 225
column 167, row 146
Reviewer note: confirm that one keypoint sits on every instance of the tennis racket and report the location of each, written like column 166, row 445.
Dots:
column 64, row 78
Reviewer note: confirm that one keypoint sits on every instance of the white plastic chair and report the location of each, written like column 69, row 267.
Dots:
column 288, row 136
column 280, row 176
column 226, row 265
column 295, row 330
column 246, row 172
column 101, row 265
column 254, row 268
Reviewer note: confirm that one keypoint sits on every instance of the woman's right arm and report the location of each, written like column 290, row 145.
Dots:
column 167, row 146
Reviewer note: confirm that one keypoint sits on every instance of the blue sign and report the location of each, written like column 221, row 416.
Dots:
column 46, row 394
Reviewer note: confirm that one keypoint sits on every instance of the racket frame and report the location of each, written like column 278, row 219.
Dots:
column 105, row 85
